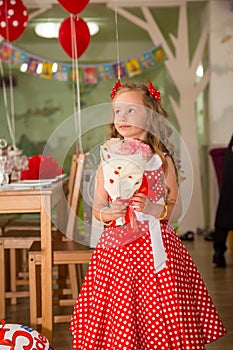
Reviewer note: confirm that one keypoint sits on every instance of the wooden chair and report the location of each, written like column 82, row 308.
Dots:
column 13, row 241
column 5, row 221
column 68, row 252
column 19, row 239
column 64, row 252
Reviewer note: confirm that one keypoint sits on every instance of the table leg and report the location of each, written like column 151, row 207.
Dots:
column 2, row 282
column 46, row 267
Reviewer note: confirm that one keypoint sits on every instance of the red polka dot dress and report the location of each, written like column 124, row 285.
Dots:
column 124, row 304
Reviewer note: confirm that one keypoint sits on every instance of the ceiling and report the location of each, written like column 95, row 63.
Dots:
column 123, row 3
column 130, row 35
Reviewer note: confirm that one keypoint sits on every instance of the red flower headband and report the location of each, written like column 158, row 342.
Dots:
column 151, row 89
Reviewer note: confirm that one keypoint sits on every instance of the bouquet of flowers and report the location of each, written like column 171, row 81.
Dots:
column 123, row 163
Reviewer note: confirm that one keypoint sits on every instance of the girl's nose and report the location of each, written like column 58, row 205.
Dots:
column 123, row 116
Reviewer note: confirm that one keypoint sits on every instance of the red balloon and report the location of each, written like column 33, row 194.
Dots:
column 74, row 6
column 13, row 19
column 80, row 36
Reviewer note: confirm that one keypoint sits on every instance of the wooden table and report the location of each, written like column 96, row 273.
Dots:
column 40, row 201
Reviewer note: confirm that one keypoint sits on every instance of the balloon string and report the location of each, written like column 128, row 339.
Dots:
column 12, row 102
column 117, row 42
column 77, row 108
column 72, row 48
column 9, row 124
column 11, row 115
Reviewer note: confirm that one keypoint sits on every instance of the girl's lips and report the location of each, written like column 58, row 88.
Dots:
column 124, row 126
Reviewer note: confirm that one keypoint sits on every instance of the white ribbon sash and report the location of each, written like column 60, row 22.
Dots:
column 159, row 254
column 158, row 250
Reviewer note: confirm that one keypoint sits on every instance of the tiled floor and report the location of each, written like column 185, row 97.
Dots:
column 218, row 281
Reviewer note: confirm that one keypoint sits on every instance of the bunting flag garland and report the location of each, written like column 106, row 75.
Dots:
column 88, row 74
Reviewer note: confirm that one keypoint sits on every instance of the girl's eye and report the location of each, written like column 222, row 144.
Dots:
column 117, row 112
column 131, row 110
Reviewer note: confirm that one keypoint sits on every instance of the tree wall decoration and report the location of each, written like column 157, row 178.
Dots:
column 182, row 70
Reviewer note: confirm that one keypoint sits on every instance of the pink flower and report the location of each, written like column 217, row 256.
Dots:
column 145, row 150
column 128, row 147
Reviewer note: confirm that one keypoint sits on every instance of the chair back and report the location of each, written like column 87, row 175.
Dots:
column 73, row 169
column 75, row 193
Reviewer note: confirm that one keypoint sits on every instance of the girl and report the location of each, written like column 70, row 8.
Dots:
column 127, row 301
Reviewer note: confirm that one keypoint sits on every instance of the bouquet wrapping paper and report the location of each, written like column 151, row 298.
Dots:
column 123, row 163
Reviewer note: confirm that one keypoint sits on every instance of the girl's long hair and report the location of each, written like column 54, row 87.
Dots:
column 159, row 132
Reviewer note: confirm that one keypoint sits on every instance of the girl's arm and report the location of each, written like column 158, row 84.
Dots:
column 102, row 210
column 173, row 200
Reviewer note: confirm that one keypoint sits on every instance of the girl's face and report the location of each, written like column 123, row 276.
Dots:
column 130, row 115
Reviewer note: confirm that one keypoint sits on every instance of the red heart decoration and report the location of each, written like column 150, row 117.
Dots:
column 74, row 6
column 41, row 167
column 13, row 19
column 80, row 35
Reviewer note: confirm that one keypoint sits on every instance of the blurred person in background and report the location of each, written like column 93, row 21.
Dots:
column 224, row 213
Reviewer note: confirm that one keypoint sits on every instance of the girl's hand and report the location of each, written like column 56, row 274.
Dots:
column 142, row 203
column 116, row 210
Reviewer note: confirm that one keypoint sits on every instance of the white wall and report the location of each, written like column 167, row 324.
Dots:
column 221, row 64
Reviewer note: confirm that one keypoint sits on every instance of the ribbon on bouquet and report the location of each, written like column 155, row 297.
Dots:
column 130, row 215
